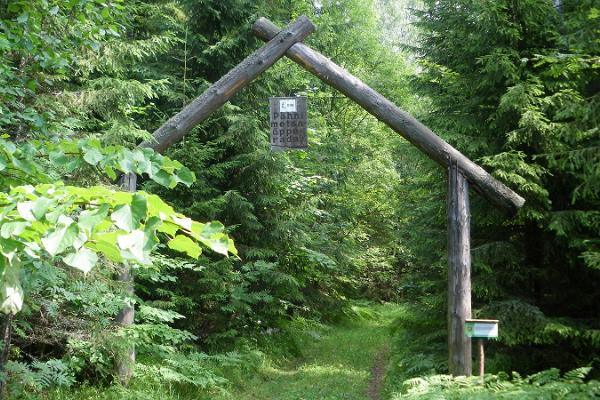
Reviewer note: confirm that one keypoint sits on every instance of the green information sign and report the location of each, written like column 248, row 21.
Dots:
column 481, row 328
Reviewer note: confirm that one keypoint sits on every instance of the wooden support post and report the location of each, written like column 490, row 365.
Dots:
column 224, row 89
column 184, row 121
column 459, row 272
column 126, row 360
column 481, row 359
column 400, row 121
column 6, row 335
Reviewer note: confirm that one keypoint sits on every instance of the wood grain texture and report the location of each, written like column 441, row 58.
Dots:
column 400, row 121
column 459, row 272
column 222, row 90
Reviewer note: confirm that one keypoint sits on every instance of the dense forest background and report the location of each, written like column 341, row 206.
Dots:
column 360, row 215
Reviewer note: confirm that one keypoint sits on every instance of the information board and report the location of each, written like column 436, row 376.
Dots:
column 288, row 123
column 481, row 328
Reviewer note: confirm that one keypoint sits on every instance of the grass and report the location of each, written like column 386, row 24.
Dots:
column 335, row 362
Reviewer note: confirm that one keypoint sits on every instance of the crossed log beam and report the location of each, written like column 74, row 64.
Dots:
column 288, row 42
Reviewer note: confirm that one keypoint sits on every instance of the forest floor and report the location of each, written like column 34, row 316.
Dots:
column 345, row 361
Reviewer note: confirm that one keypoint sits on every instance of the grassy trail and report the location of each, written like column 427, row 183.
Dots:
column 345, row 361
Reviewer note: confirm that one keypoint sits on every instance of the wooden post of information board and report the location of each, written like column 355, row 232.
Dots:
column 481, row 358
column 459, row 272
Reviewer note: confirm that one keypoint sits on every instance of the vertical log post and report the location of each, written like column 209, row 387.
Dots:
column 126, row 359
column 6, row 334
column 459, row 272
column 191, row 115
column 481, row 359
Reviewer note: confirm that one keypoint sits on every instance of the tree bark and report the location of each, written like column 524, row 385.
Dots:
column 126, row 360
column 236, row 79
column 6, row 339
column 384, row 110
column 459, row 273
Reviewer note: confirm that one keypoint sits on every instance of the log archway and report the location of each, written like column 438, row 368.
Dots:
column 461, row 170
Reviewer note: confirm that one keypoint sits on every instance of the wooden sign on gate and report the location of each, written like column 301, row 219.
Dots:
column 288, row 123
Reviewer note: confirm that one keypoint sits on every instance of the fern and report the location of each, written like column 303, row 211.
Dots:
column 39, row 376
column 547, row 384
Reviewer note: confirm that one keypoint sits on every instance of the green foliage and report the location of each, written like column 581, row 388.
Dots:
column 548, row 384
column 42, row 162
column 41, row 375
column 514, row 85
column 70, row 101
column 75, row 225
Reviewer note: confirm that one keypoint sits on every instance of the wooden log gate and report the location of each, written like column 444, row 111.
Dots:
column 461, row 170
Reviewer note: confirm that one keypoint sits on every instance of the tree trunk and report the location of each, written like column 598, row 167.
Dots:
column 400, row 121
column 6, row 339
column 126, row 359
column 459, row 273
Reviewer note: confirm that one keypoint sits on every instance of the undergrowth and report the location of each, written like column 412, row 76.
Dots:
column 548, row 384
column 418, row 370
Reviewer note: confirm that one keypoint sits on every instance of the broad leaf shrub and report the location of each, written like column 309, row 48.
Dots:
column 47, row 227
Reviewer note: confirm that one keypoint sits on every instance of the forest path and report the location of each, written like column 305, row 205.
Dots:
column 345, row 361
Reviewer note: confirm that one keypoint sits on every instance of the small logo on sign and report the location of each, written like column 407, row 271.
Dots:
column 287, row 105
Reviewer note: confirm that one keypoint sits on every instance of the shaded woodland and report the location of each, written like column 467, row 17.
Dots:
column 243, row 256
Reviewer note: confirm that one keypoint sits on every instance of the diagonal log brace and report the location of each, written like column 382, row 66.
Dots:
column 400, row 121
column 224, row 89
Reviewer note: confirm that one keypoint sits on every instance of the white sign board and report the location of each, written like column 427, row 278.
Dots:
column 481, row 328
column 287, row 105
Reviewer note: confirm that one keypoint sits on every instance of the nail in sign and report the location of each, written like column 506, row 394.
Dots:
column 288, row 123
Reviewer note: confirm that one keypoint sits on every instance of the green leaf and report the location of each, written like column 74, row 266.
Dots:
column 165, row 179
column 40, row 207
column 132, row 246
column 10, row 229
column 23, row 18
column 92, row 156
column 169, row 228
column 123, row 218
column 84, row 259
column 106, row 243
column 184, row 244
column 61, row 237
column 185, row 176
column 88, row 220
column 11, row 292
column 218, row 243
column 25, row 209
column 3, row 162
column 212, row 228
column 156, row 206
column 110, row 172
column 231, row 247
column 128, row 217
